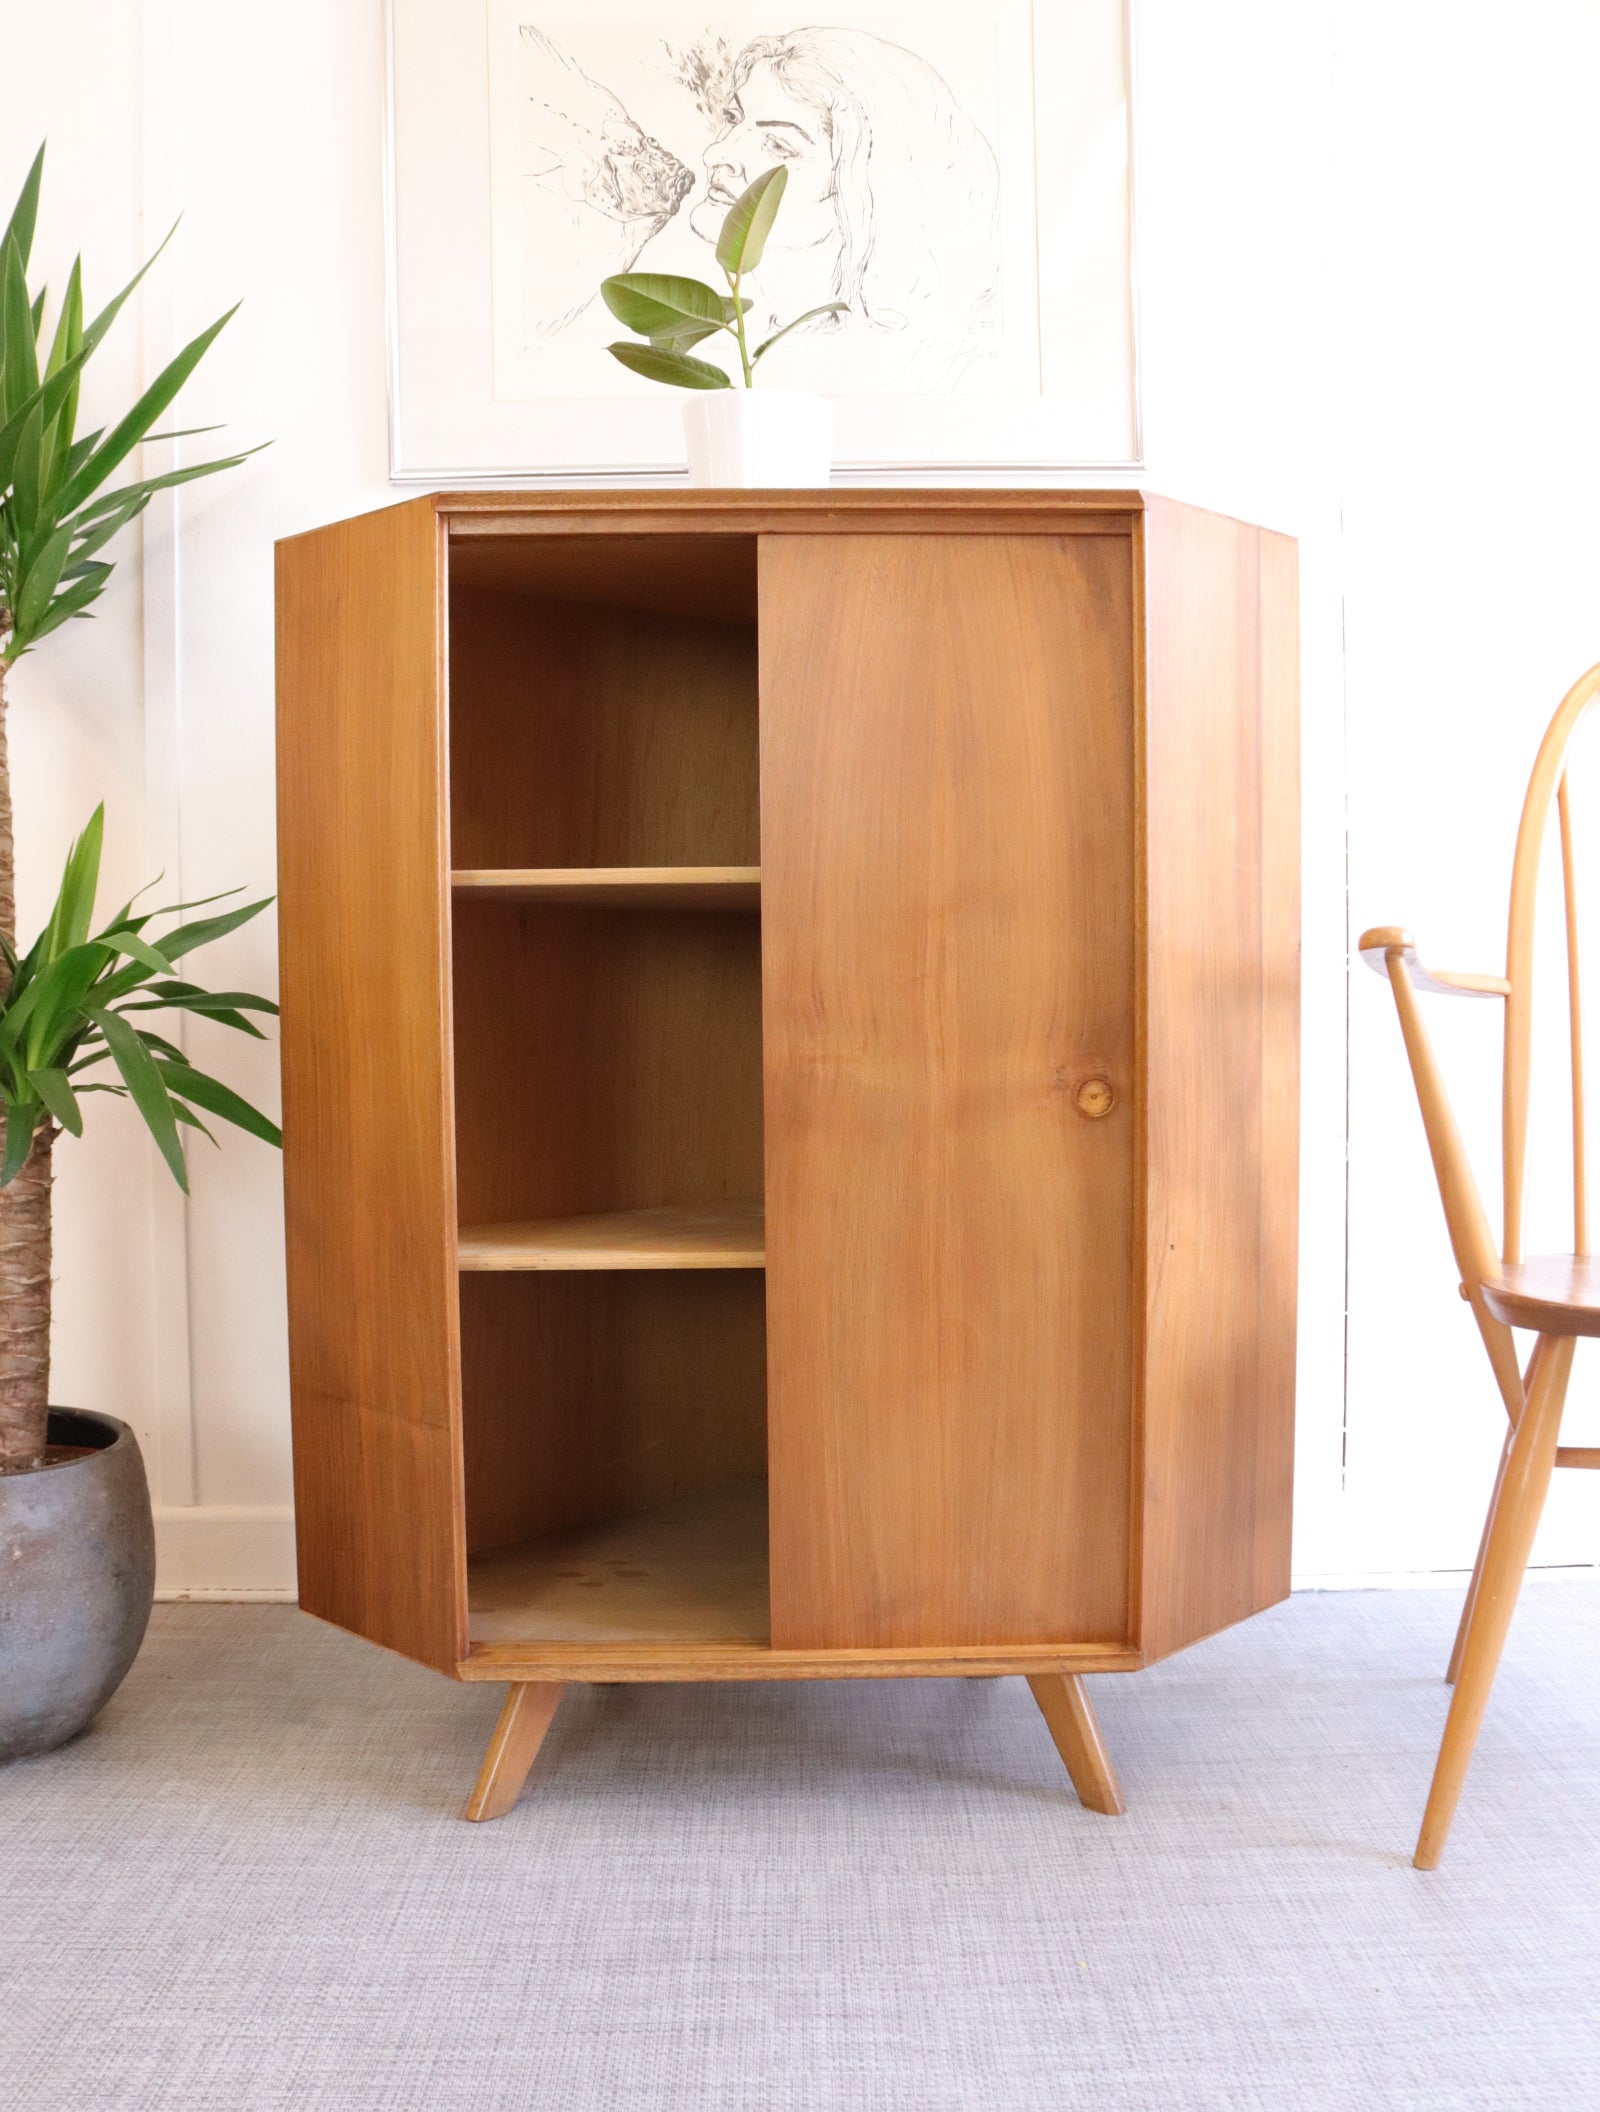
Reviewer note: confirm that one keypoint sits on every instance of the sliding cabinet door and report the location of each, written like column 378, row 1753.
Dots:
column 947, row 850
column 369, row 1190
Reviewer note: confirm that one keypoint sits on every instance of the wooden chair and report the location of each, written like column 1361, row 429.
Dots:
column 1557, row 1296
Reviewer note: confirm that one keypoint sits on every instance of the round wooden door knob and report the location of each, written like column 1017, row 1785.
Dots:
column 1094, row 1098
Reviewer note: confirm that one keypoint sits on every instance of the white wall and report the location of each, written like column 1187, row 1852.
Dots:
column 1366, row 237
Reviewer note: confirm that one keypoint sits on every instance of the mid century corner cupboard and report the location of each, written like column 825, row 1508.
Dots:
column 790, row 1069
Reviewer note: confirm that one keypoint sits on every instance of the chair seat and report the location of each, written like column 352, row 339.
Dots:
column 1558, row 1294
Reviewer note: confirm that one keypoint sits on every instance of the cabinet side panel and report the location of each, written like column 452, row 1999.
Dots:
column 368, row 1179
column 947, row 959
column 1222, row 1046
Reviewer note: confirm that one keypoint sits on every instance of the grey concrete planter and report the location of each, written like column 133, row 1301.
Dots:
column 77, row 1575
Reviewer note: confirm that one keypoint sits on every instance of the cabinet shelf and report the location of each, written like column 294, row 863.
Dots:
column 736, row 887
column 678, row 1236
column 692, row 1570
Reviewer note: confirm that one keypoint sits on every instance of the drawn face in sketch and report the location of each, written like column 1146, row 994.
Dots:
column 769, row 126
column 893, row 193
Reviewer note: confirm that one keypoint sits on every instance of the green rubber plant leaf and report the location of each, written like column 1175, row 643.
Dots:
column 673, row 367
column 654, row 303
column 749, row 222
column 811, row 314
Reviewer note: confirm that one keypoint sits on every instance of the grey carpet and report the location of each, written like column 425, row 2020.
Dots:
column 247, row 1889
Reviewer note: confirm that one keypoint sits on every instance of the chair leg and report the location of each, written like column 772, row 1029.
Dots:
column 526, row 1714
column 1064, row 1704
column 1477, row 1568
column 1523, row 1489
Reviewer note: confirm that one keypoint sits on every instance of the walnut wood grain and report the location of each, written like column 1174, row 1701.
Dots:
column 624, row 1663
column 1026, row 950
column 599, row 738
column 1065, row 1706
column 1221, row 1087
column 368, row 1190
column 675, row 1236
column 710, row 887
column 701, row 574
column 591, row 1394
column 604, row 1059
column 526, row 1715
column 689, row 1571
column 947, row 917
column 530, row 515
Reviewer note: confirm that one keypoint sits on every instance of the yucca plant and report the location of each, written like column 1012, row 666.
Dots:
column 65, row 1005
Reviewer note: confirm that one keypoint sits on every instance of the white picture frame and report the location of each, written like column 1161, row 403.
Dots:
column 1000, row 337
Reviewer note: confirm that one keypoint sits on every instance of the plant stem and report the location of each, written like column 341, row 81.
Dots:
column 738, row 318
column 8, row 849
column 25, row 1307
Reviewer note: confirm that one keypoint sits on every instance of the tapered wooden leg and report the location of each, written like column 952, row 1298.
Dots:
column 1465, row 1621
column 1064, row 1704
column 526, row 1714
column 1523, row 1488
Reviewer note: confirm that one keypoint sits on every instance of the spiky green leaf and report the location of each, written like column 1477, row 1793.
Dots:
column 218, row 1099
column 55, row 1090
column 204, row 930
column 142, row 1076
column 126, row 434
column 25, row 212
column 21, row 374
column 22, row 1118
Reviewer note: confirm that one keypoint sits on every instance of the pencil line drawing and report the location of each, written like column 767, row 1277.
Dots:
column 892, row 203
column 597, row 187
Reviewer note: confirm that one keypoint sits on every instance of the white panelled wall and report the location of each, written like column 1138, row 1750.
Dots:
column 1366, row 235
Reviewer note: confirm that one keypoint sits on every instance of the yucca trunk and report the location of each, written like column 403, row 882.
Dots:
column 25, row 1307
column 24, row 1224
column 8, row 847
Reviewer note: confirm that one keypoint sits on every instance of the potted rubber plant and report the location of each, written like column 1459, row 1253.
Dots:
column 80, row 1011
column 735, row 434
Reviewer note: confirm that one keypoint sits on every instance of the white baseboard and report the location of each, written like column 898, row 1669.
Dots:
column 225, row 1551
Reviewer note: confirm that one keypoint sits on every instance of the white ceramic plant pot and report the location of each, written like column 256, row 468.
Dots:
column 778, row 438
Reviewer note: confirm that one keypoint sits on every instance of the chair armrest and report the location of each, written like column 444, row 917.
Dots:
column 1381, row 944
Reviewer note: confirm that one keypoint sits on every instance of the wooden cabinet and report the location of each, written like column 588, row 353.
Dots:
column 790, row 1010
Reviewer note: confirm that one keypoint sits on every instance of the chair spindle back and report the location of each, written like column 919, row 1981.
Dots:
column 1547, row 787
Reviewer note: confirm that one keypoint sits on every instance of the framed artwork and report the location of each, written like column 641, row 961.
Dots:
column 961, row 176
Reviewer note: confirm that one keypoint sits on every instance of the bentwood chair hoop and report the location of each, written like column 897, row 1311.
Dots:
column 1557, row 1297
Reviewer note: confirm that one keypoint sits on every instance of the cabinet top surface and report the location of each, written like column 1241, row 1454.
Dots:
column 680, row 510
column 473, row 512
